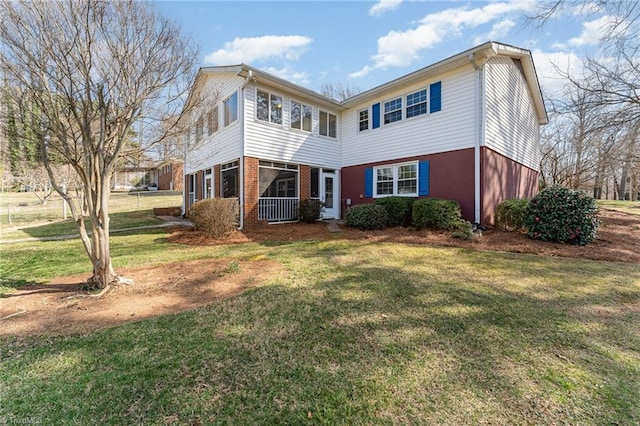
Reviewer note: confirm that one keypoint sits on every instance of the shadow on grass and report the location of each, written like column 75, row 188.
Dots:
column 366, row 334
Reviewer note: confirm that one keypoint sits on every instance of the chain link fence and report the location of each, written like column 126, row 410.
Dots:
column 25, row 207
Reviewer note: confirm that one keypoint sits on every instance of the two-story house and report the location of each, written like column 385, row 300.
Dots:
column 465, row 128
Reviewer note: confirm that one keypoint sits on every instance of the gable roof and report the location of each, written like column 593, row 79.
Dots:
column 476, row 56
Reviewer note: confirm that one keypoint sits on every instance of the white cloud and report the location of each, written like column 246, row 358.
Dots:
column 498, row 31
column 593, row 31
column 401, row 48
column 550, row 68
column 384, row 6
column 253, row 49
column 297, row 77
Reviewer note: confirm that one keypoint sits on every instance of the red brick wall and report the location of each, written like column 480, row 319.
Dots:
column 174, row 172
column 503, row 179
column 217, row 179
column 305, row 182
column 250, row 192
column 451, row 176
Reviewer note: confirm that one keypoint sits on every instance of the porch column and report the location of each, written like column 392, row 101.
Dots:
column 250, row 192
column 305, row 182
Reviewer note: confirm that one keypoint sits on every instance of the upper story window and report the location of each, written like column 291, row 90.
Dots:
column 213, row 120
column 187, row 139
column 396, row 179
column 417, row 103
column 268, row 107
column 301, row 116
column 328, row 124
column 393, row 110
column 231, row 109
column 363, row 119
column 199, row 130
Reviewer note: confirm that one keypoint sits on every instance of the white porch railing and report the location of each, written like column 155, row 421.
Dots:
column 277, row 209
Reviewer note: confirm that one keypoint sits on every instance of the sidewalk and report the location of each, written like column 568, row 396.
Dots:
column 169, row 221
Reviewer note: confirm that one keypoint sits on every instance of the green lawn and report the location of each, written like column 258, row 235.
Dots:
column 629, row 207
column 357, row 333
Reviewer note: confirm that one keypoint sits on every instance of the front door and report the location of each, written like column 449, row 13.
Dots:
column 329, row 195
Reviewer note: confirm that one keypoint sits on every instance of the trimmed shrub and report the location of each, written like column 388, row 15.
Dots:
column 511, row 214
column 366, row 217
column 309, row 210
column 435, row 213
column 398, row 209
column 563, row 215
column 463, row 230
column 215, row 217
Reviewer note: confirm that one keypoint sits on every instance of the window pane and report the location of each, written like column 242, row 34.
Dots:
column 262, row 107
column 323, row 123
column 384, row 173
column 393, row 116
column 230, row 183
column 384, row 188
column 231, row 109
column 407, row 186
column 407, row 171
column 364, row 119
column 306, row 118
column 276, row 109
column 333, row 125
column 393, row 111
column 295, row 115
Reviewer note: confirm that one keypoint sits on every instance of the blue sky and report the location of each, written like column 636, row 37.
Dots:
column 367, row 43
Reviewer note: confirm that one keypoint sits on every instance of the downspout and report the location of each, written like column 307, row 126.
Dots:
column 480, row 128
column 241, row 160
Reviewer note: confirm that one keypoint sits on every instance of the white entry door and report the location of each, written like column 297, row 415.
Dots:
column 329, row 195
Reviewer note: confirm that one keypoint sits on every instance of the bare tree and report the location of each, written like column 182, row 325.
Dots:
column 339, row 91
column 91, row 69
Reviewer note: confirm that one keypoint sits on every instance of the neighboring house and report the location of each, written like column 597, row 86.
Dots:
column 466, row 128
column 170, row 176
column 135, row 174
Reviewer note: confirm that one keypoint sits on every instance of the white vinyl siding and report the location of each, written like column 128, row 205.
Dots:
column 451, row 128
column 284, row 143
column 512, row 127
column 224, row 144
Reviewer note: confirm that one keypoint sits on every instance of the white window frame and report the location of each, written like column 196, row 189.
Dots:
column 229, row 115
column 302, row 107
column 396, row 108
column 361, row 121
column 395, row 179
column 328, row 127
column 425, row 102
column 270, row 96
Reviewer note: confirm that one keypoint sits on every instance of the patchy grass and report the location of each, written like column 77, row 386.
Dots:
column 357, row 333
column 629, row 207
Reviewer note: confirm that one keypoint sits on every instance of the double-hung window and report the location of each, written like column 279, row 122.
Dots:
column 363, row 119
column 393, row 110
column 301, row 116
column 268, row 107
column 231, row 109
column 328, row 124
column 396, row 179
column 213, row 120
column 199, row 130
column 416, row 103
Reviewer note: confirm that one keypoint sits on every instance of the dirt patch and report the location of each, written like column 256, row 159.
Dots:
column 55, row 309
column 61, row 307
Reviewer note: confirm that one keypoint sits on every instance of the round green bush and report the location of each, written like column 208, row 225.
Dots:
column 563, row 215
column 309, row 210
column 435, row 213
column 511, row 214
column 366, row 217
column 398, row 209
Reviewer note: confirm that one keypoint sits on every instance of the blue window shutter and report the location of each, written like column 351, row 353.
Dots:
column 375, row 112
column 423, row 178
column 435, row 96
column 368, row 182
